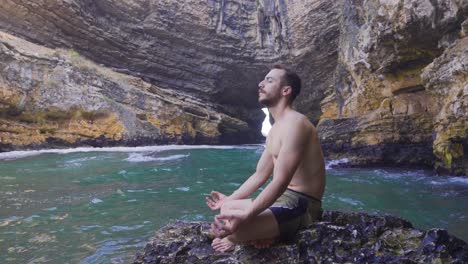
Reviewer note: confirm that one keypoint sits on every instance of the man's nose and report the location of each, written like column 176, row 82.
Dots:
column 260, row 84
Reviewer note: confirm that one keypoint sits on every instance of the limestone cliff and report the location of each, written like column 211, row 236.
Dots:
column 386, row 79
column 58, row 98
column 400, row 85
column 216, row 51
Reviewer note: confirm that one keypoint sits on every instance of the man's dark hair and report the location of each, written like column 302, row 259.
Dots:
column 290, row 78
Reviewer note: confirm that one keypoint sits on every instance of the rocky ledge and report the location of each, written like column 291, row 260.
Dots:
column 338, row 238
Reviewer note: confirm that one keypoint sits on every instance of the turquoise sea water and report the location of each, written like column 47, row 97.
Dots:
column 90, row 206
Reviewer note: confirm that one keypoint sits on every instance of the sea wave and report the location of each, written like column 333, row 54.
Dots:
column 330, row 164
column 350, row 201
column 12, row 155
column 423, row 176
column 450, row 180
column 400, row 173
column 138, row 157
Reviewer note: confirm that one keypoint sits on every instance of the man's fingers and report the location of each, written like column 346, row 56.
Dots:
column 215, row 195
column 224, row 216
column 211, row 204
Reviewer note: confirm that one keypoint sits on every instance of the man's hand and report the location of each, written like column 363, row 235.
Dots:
column 216, row 201
column 226, row 224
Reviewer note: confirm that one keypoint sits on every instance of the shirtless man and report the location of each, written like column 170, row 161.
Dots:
column 292, row 200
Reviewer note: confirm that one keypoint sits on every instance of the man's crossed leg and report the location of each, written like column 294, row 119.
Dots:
column 229, row 230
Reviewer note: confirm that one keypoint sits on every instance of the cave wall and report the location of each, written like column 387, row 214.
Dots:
column 402, row 70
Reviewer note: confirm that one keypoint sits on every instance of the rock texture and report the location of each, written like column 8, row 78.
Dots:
column 447, row 78
column 400, row 88
column 58, row 98
column 386, row 80
column 216, row 51
column 338, row 238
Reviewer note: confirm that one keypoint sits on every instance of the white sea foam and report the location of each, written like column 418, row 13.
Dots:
column 398, row 175
column 96, row 200
column 125, row 228
column 460, row 180
column 79, row 160
column 350, row 201
column 450, row 180
column 23, row 154
column 330, row 164
column 173, row 157
column 184, row 189
column 31, row 218
column 7, row 178
column 86, row 228
column 138, row 157
column 134, row 191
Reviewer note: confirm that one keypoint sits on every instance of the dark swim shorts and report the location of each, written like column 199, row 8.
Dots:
column 293, row 211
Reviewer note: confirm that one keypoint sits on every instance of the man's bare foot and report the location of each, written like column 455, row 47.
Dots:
column 222, row 245
column 262, row 243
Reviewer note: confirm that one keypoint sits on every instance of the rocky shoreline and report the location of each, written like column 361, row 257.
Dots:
column 338, row 237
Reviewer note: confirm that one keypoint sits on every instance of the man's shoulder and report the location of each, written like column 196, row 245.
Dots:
column 298, row 120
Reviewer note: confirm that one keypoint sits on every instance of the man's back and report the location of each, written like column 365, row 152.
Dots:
column 309, row 178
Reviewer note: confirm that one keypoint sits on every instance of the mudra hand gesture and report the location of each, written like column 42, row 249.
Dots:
column 216, row 201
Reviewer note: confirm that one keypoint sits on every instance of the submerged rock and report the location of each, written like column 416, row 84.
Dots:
column 338, row 238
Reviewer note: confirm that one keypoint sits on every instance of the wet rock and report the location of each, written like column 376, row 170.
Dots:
column 337, row 238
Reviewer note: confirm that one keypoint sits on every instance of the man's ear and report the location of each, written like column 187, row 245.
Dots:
column 286, row 90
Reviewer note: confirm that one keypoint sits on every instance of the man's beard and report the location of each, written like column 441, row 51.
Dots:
column 267, row 102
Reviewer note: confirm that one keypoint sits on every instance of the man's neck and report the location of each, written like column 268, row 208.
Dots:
column 279, row 110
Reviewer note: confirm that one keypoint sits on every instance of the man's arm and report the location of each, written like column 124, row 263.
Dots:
column 289, row 158
column 261, row 175
column 263, row 171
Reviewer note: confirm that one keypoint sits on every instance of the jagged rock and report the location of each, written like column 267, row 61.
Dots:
column 386, row 101
column 52, row 97
column 338, row 238
column 216, row 50
column 392, row 69
column 447, row 78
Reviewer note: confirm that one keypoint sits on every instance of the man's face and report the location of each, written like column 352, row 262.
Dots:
column 269, row 90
